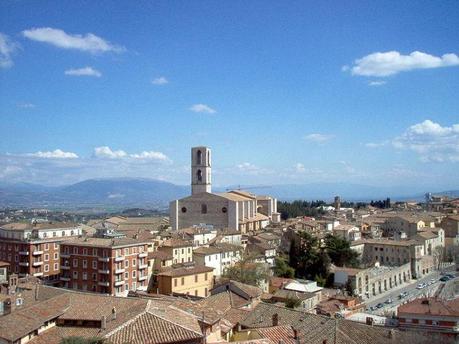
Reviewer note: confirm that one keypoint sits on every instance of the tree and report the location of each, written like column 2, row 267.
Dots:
column 340, row 251
column 438, row 256
column 246, row 271
column 282, row 269
column 292, row 302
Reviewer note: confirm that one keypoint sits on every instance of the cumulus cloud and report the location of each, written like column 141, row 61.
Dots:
column 59, row 38
column 107, row 153
column 431, row 141
column 381, row 64
column 85, row 71
column 299, row 167
column 202, row 108
column 55, row 154
column 160, row 81
column 318, row 138
column 7, row 49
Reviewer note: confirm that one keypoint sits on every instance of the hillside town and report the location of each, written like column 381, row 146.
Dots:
column 233, row 267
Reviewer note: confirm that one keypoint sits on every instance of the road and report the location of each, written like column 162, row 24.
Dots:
column 413, row 293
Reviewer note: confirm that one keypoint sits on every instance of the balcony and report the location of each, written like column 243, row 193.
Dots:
column 65, row 255
column 37, row 263
column 104, row 283
column 104, row 259
column 143, row 266
column 142, row 278
column 65, row 279
column 24, row 264
column 143, row 254
column 105, row 272
column 65, row 267
column 23, row 253
column 119, row 258
column 38, row 274
column 118, row 283
column 37, row 253
column 119, row 271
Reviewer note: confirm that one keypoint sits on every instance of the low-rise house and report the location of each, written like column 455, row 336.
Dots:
column 347, row 232
column 199, row 236
column 185, row 279
column 340, row 306
column 249, row 293
column 306, row 301
column 219, row 257
column 180, row 250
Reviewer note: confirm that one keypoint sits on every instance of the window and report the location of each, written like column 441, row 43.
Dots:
column 183, row 281
column 75, row 250
column 94, row 264
column 195, row 278
column 46, row 247
column 183, row 209
column 189, row 250
column 126, row 251
column 183, row 251
column 205, row 279
column 134, row 274
column 85, row 276
column 203, row 208
column 199, row 175
column 134, row 262
column 56, row 255
column 85, row 251
column 46, row 257
column 134, row 286
column 85, row 264
column 126, row 275
column 75, row 263
column 94, row 251
column 94, row 276
column 56, row 245
column 175, row 282
column 224, row 210
column 199, row 157
column 126, row 263
column 63, row 233
column 75, row 275
column 56, row 266
column 46, row 268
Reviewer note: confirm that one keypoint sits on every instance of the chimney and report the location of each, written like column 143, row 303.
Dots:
column 275, row 319
column 36, row 292
column 103, row 322
column 113, row 313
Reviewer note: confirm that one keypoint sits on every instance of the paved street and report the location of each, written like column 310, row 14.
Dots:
column 413, row 293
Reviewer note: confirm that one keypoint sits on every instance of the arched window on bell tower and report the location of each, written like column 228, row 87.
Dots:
column 199, row 175
column 199, row 157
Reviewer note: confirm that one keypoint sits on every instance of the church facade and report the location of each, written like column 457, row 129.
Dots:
column 235, row 210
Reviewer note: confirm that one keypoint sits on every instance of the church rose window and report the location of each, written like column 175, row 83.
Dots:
column 184, row 210
column 224, row 210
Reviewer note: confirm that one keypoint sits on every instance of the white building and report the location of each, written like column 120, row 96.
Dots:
column 219, row 257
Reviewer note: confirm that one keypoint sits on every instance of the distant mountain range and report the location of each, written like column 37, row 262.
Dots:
column 131, row 192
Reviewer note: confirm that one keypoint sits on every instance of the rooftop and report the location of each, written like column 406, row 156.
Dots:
column 103, row 242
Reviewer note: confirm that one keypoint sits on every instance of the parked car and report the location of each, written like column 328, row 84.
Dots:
column 389, row 301
column 379, row 305
column 420, row 286
column 450, row 276
column 403, row 295
column 444, row 279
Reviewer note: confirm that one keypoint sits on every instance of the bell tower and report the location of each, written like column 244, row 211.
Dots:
column 200, row 170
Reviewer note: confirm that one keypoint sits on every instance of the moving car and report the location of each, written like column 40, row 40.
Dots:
column 379, row 305
column 389, row 301
column 403, row 295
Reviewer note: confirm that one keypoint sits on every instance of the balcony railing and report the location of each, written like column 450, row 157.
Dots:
column 142, row 278
column 37, row 263
column 104, row 259
column 143, row 254
column 104, row 283
column 65, row 255
column 119, row 258
column 23, row 253
column 118, row 283
column 24, row 264
column 119, row 271
column 38, row 274
column 105, row 272
column 65, row 279
column 37, row 253
column 143, row 266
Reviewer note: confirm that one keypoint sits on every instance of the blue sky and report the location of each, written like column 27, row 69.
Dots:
column 283, row 92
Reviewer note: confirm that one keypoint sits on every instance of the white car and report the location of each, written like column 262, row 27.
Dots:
column 420, row 286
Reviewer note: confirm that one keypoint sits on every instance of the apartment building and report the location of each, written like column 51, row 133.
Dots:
column 347, row 232
column 219, row 257
column 405, row 223
column 32, row 249
column 180, row 250
column 187, row 279
column 108, row 266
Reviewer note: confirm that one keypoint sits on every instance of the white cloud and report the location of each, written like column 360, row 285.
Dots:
column 150, row 156
column 160, row 81
column 7, row 48
column 106, row 152
column 85, row 71
column 376, row 144
column 56, row 154
column 26, row 105
column 376, row 83
column 59, row 38
column 392, row 62
column 203, row 108
column 299, row 167
column 318, row 138
column 431, row 141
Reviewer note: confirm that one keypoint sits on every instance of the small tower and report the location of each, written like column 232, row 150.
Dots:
column 337, row 203
column 200, row 170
